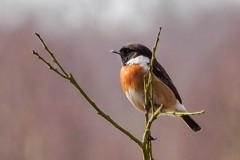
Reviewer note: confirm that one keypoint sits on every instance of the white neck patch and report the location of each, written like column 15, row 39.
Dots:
column 141, row 60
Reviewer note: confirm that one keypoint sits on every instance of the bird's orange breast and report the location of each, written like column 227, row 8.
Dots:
column 132, row 77
column 132, row 81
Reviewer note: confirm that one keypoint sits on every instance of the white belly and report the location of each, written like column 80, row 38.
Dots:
column 136, row 98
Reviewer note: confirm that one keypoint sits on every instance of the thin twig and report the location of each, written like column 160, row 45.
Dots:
column 51, row 54
column 100, row 112
column 148, row 93
column 154, row 117
column 184, row 113
column 72, row 80
column 49, row 65
column 156, row 44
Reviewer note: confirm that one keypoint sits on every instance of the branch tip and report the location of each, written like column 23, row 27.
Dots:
column 34, row 52
column 37, row 34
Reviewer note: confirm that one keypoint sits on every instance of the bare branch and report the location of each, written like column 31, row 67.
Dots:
column 51, row 54
column 49, row 65
column 72, row 80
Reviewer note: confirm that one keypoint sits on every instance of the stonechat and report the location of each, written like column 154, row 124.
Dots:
column 136, row 60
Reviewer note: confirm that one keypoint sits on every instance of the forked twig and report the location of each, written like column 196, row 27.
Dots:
column 72, row 80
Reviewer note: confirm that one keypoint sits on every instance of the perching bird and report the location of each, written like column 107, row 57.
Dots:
column 136, row 59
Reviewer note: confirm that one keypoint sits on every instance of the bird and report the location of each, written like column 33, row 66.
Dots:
column 136, row 59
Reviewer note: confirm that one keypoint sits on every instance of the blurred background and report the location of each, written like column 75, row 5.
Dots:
column 42, row 117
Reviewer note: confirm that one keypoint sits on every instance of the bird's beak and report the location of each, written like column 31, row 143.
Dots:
column 114, row 51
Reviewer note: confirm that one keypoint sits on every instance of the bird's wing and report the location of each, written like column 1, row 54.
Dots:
column 161, row 74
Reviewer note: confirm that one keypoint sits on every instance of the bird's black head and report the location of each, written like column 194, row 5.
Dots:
column 131, row 51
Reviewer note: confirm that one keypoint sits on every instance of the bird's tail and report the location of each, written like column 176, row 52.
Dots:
column 191, row 123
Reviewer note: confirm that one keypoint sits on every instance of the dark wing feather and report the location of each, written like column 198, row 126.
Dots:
column 161, row 74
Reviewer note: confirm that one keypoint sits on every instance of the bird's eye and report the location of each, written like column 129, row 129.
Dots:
column 126, row 52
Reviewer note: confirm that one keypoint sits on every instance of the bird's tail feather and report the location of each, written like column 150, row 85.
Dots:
column 191, row 123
